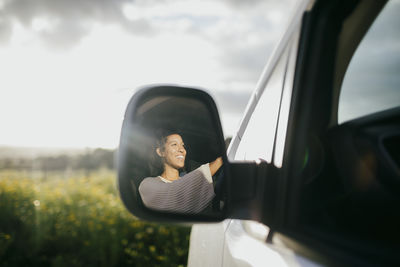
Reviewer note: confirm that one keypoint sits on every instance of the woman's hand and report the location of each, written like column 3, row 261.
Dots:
column 215, row 165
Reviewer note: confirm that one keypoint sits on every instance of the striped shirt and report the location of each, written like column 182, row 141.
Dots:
column 191, row 193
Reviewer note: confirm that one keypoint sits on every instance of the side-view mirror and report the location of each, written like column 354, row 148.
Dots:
column 172, row 164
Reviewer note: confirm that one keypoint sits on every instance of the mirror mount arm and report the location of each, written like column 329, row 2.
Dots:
column 253, row 191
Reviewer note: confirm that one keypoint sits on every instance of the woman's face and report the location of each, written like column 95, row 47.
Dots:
column 174, row 153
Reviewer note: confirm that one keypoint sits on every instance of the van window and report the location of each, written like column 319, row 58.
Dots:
column 372, row 81
column 257, row 141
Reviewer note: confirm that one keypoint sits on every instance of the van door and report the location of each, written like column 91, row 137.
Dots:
column 263, row 139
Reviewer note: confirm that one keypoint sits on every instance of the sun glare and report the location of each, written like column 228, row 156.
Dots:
column 78, row 97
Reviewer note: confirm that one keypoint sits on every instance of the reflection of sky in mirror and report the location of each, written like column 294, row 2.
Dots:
column 69, row 67
column 372, row 82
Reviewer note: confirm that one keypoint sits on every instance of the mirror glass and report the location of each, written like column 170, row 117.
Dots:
column 172, row 155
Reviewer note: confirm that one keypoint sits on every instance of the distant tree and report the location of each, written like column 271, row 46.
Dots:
column 89, row 161
column 96, row 159
column 104, row 158
column 15, row 163
column 7, row 163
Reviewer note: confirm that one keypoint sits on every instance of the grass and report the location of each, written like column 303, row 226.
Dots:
column 78, row 220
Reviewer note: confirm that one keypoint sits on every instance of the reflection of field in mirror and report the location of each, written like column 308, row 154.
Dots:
column 79, row 221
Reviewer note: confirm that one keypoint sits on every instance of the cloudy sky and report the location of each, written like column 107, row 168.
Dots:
column 69, row 67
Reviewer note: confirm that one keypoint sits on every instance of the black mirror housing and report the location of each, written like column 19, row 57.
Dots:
column 191, row 111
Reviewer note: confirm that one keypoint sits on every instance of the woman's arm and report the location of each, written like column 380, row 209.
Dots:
column 215, row 165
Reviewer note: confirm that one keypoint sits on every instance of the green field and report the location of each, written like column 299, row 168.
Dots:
column 61, row 219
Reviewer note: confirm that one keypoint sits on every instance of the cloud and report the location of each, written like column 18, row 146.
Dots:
column 233, row 102
column 5, row 28
column 75, row 19
column 254, row 4
column 245, row 61
column 246, row 35
column 219, row 45
column 26, row 11
column 68, row 21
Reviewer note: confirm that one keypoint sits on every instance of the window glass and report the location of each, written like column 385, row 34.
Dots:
column 372, row 81
column 258, row 139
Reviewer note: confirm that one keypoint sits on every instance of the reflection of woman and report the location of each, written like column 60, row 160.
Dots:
column 190, row 193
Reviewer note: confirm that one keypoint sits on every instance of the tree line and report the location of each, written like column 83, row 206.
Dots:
column 88, row 161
